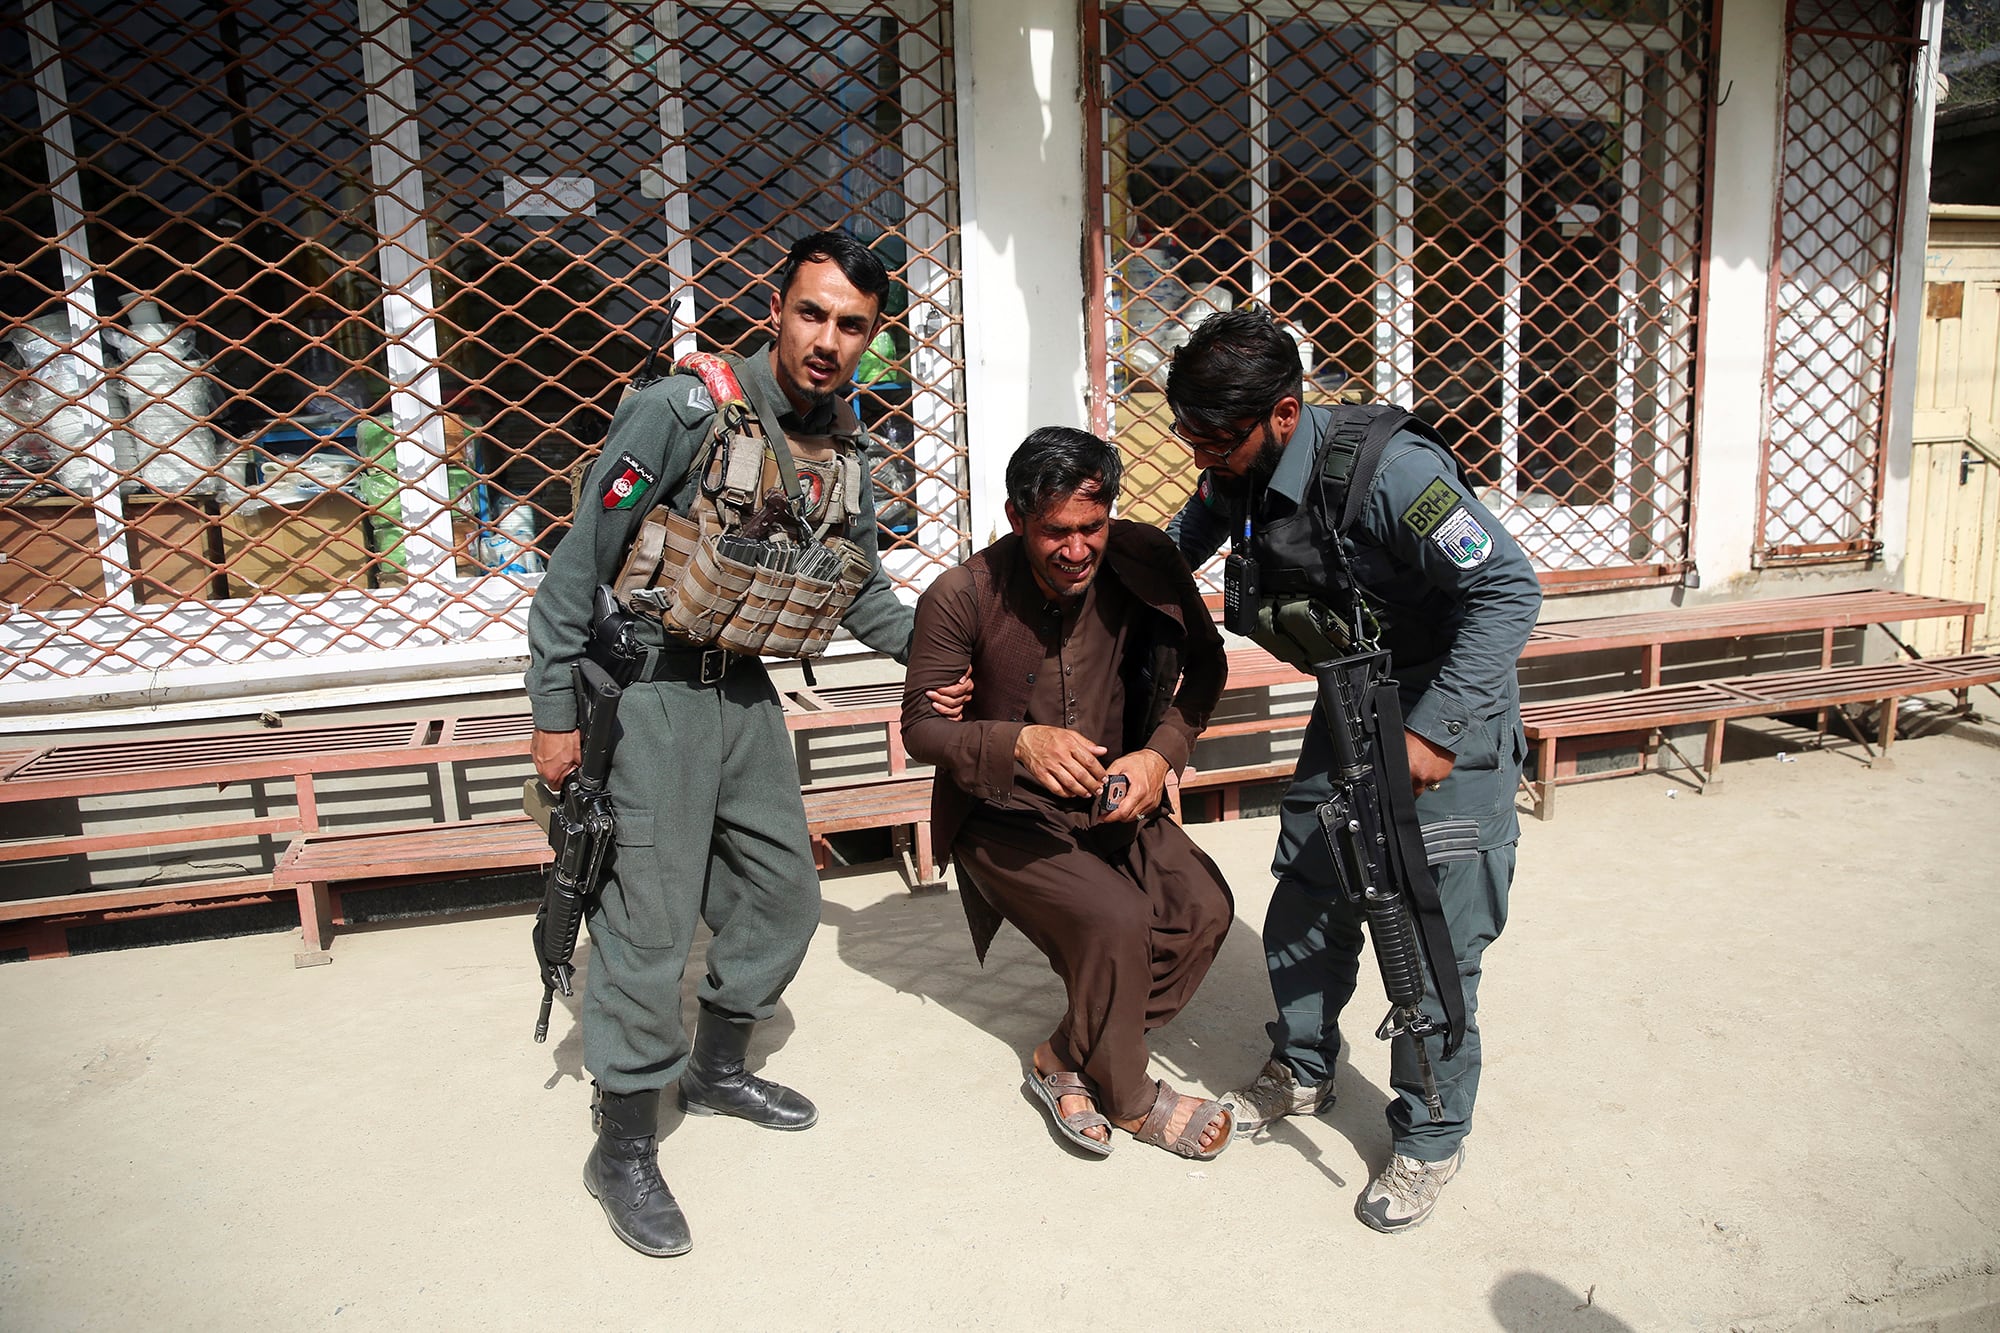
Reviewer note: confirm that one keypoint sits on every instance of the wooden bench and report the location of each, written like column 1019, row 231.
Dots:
column 220, row 760
column 316, row 865
column 1646, row 714
column 810, row 709
column 1825, row 614
column 1228, row 784
column 304, row 755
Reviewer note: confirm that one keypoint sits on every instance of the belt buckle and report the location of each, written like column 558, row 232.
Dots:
column 714, row 662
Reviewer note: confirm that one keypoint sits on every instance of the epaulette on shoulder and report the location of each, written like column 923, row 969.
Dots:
column 688, row 397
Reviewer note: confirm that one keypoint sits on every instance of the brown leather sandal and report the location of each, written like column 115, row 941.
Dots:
column 1052, row 1088
column 1153, row 1129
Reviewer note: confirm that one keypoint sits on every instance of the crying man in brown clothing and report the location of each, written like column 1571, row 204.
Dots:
column 1094, row 667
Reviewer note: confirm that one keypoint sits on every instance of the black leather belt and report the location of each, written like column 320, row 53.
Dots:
column 697, row 666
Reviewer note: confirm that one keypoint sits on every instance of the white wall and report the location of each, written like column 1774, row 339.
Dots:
column 1736, row 343
column 1895, row 525
column 1020, row 129
column 1737, row 338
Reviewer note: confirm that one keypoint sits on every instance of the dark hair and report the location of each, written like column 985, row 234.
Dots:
column 857, row 263
column 1236, row 366
column 1055, row 462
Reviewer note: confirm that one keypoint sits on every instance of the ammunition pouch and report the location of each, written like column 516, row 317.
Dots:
column 756, row 566
column 1301, row 631
column 764, row 598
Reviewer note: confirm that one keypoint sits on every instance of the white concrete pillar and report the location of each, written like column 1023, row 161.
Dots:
column 1736, row 341
column 1021, row 177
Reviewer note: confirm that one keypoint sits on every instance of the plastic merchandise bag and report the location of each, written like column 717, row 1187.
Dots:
column 165, row 399
column 1157, row 312
column 296, row 479
column 378, row 486
column 46, row 428
column 30, row 462
column 507, row 543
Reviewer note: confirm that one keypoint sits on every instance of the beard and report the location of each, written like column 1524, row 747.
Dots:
column 1265, row 465
column 1255, row 477
column 814, row 399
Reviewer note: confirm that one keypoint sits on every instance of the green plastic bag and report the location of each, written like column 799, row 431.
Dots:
column 377, row 486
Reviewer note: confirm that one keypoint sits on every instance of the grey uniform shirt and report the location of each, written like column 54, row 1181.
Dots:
column 1434, row 562
column 656, row 433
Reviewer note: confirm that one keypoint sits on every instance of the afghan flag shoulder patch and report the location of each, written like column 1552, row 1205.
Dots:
column 630, row 479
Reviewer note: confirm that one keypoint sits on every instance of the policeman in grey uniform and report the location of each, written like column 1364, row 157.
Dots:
column 1455, row 599
column 711, row 825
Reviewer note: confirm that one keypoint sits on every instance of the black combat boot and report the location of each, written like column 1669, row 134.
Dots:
column 714, row 1082
column 623, row 1174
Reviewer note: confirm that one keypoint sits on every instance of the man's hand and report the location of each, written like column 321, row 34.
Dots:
column 950, row 702
column 1147, row 771
column 557, row 754
column 1063, row 761
column 1429, row 764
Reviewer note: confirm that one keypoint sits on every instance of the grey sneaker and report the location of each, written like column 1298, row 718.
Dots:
column 1275, row 1094
column 1406, row 1191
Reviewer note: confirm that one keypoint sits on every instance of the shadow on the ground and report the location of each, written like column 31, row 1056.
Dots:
column 919, row 945
column 1537, row 1302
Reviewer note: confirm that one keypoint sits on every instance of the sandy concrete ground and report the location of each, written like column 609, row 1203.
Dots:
column 1742, row 1073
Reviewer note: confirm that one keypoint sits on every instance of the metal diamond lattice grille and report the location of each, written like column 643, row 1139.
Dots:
column 1492, row 218
column 1846, row 128
column 311, row 306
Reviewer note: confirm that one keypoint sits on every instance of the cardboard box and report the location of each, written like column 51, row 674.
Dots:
column 1160, row 470
column 318, row 546
column 51, row 552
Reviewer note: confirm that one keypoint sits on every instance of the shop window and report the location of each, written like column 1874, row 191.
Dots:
column 312, row 304
column 1485, row 216
column 1833, row 288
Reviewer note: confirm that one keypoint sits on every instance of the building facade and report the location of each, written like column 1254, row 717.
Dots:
column 312, row 304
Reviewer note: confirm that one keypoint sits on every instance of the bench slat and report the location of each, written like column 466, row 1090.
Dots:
column 99, row 901
column 1779, row 615
column 78, row 844
column 1750, row 696
column 175, row 753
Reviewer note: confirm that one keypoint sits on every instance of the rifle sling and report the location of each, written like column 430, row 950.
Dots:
column 1407, row 845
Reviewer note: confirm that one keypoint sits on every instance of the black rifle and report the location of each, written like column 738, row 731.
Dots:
column 1380, row 858
column 580, row 826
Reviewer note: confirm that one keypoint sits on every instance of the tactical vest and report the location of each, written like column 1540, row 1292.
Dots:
column 764, row 561
column 1301, row 603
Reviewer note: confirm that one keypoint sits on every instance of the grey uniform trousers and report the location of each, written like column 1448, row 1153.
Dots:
column 1313, row 941
column 711, row 826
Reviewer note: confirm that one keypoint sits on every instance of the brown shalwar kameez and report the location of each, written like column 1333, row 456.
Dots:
column 1129, row 915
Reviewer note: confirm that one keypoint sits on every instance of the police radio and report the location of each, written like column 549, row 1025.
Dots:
column 1240, row 594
